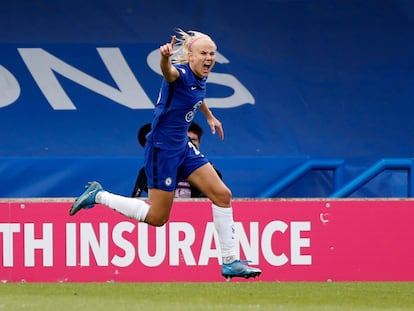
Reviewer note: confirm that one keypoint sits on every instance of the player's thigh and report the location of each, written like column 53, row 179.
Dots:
column 206, row 179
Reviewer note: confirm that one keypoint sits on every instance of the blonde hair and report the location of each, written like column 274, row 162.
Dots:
column 185, row 40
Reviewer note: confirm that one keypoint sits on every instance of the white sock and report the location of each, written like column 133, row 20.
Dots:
column 130, row 207
column 224, row 224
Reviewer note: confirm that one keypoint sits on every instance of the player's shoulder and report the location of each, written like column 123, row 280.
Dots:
column 185, row 74
column 182, row 68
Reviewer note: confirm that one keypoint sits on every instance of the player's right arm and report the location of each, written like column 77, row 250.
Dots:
column 169, row 72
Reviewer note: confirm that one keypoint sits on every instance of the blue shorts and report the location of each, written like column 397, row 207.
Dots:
column 165, row 167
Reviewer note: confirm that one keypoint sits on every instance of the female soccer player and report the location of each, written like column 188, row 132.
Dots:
column 169, row 156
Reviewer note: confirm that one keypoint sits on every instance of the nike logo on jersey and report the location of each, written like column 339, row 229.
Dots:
column 193, row 88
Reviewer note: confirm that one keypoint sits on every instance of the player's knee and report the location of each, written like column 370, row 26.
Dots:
column 156, row 221
column 159, row 223
column 224, row 197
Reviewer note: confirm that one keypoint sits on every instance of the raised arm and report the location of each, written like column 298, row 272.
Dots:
column 169, row 72
column 212, row 121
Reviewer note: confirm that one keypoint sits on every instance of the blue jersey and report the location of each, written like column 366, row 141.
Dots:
column 175, row 109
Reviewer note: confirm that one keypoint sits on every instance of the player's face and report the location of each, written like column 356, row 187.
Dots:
column 202, row 57
column 194, row 139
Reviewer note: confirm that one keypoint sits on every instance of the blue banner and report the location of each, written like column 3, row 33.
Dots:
column 293, row 81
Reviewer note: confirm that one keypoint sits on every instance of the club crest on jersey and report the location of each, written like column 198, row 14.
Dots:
column 168, row 181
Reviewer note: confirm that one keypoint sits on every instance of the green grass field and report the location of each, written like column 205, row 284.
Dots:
column 207, row 296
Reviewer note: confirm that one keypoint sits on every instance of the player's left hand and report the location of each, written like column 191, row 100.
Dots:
column 216, row 126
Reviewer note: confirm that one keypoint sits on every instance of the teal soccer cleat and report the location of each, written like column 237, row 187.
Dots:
column 239, row 268
column 87, row 199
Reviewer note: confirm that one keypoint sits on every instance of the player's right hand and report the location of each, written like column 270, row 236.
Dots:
column 168, row 48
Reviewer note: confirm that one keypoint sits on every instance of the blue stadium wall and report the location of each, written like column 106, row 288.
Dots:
column 295, row 82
